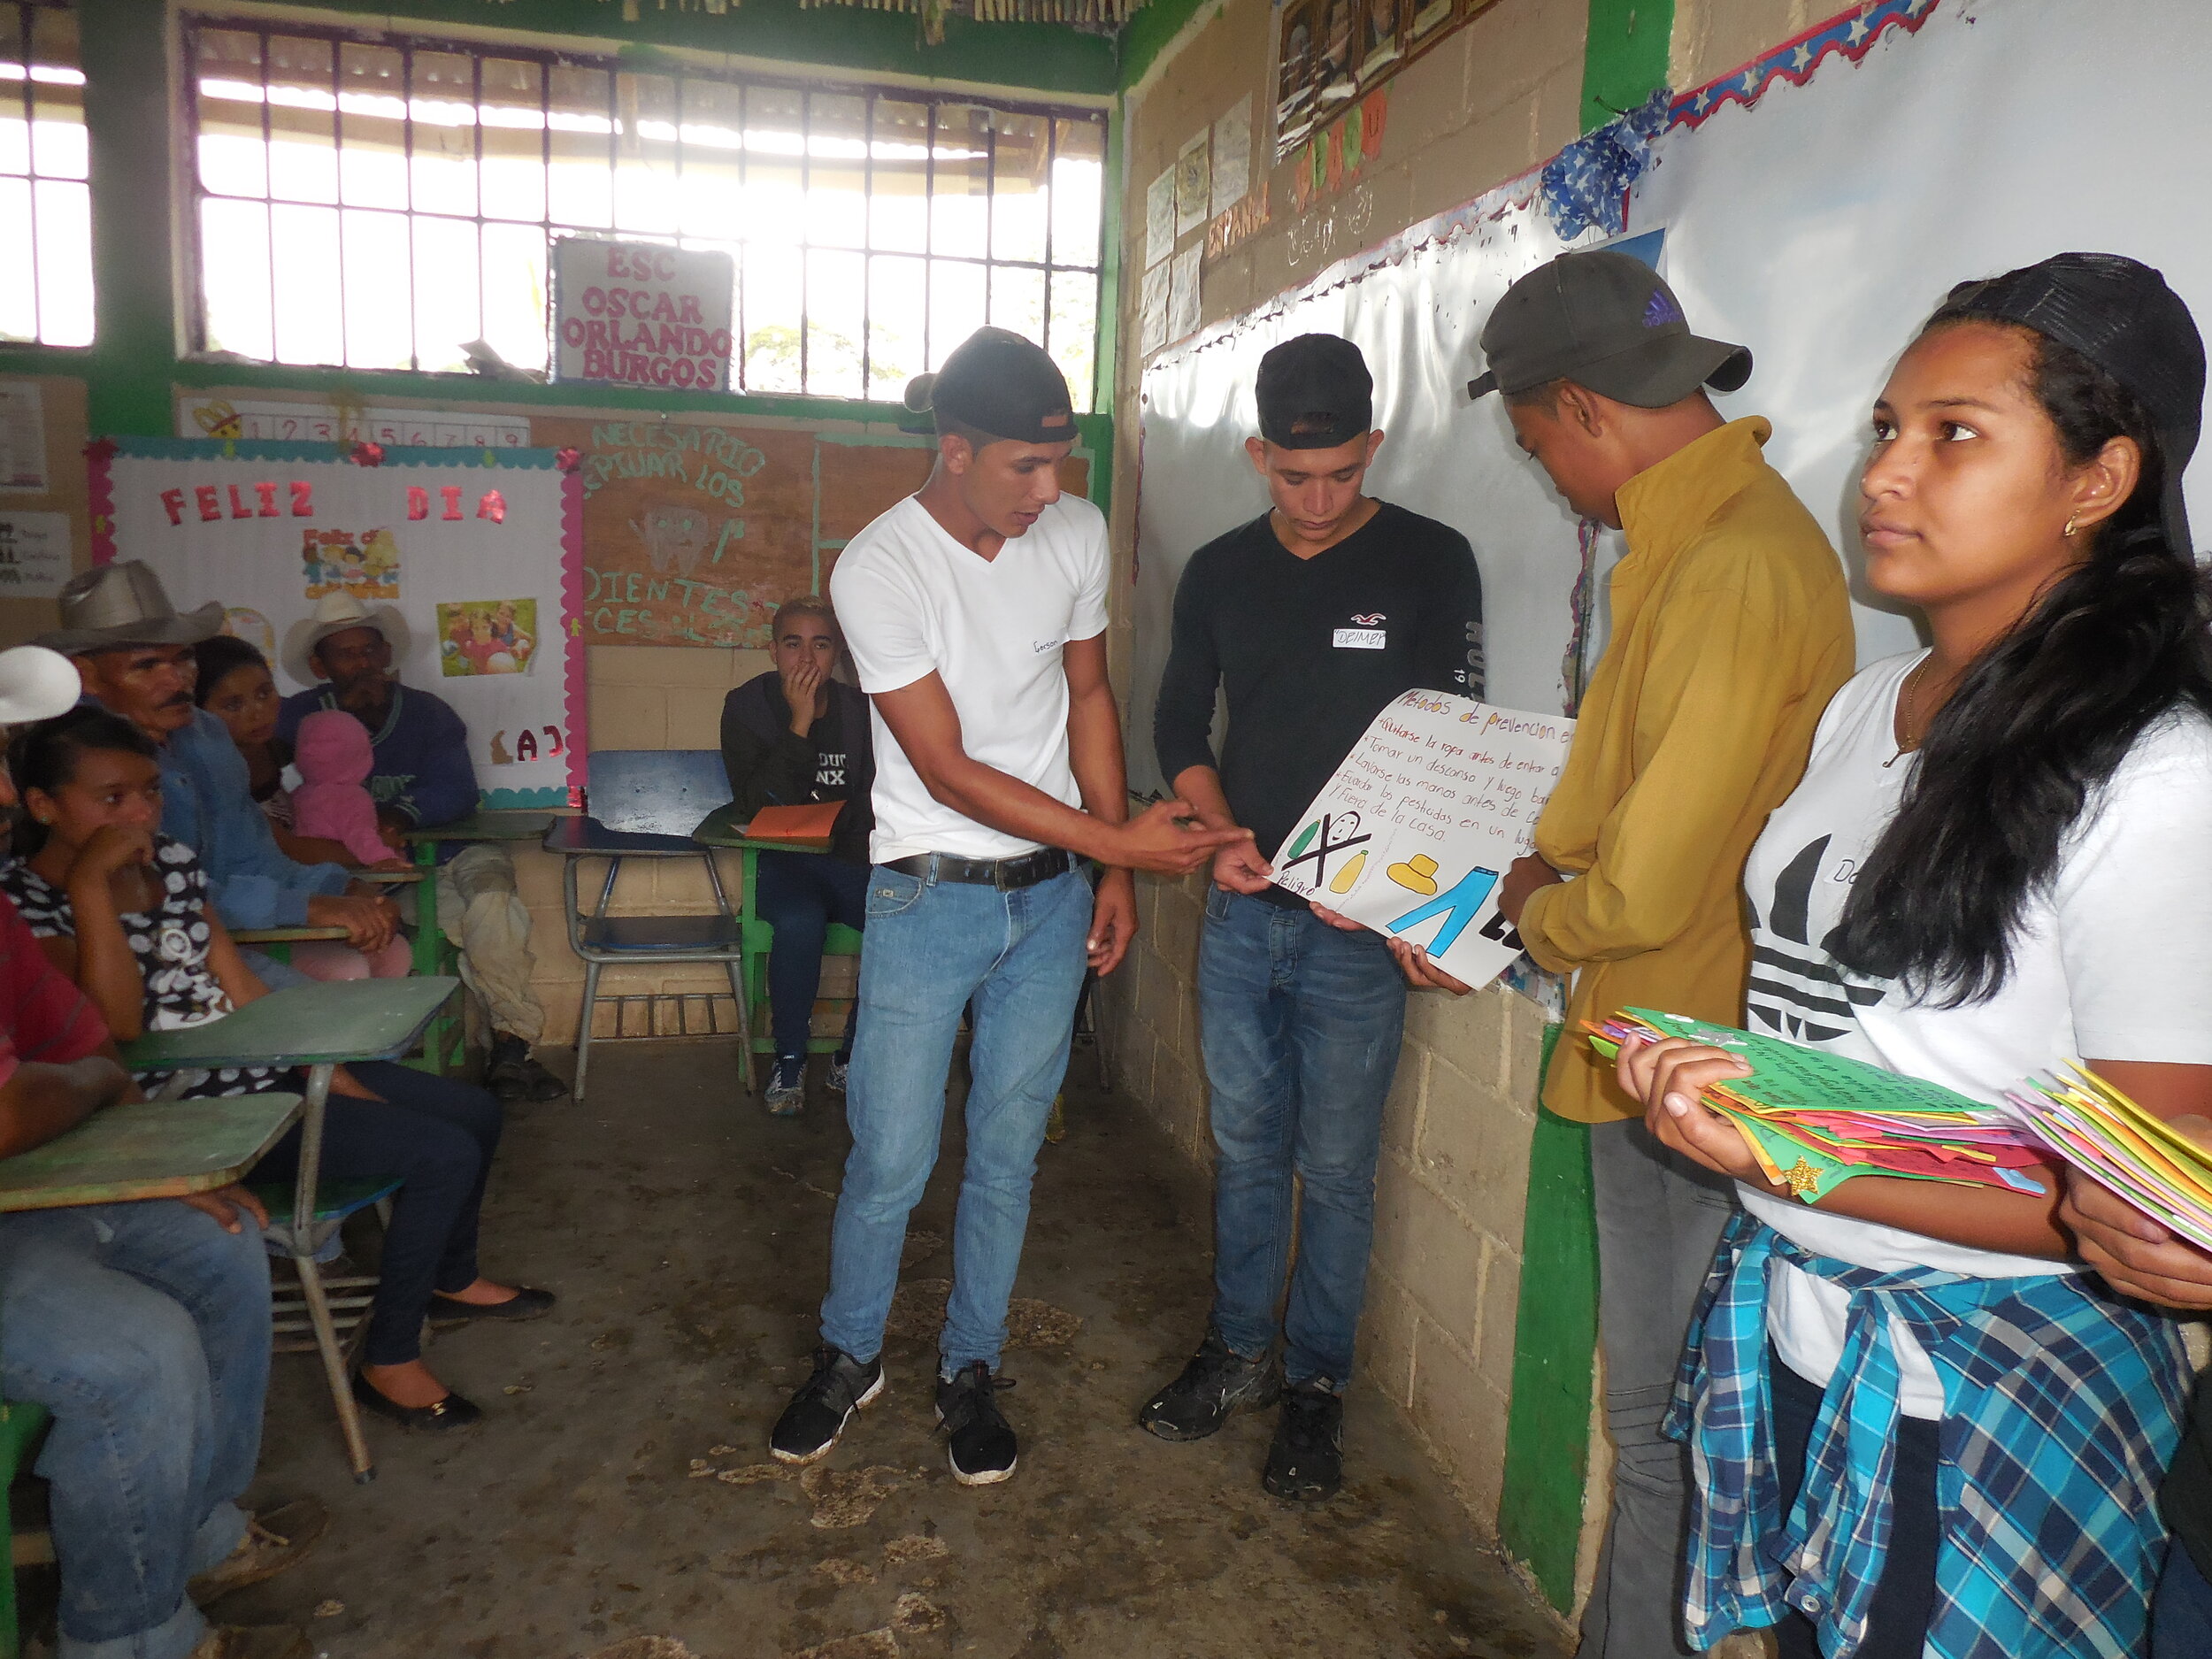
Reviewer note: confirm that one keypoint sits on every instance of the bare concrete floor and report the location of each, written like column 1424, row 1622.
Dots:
column 620, row 1488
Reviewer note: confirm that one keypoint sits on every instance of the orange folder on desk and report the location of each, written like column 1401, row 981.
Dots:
column 808, row 825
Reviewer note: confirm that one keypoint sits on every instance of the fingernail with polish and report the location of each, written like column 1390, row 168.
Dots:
column 1678, row 1104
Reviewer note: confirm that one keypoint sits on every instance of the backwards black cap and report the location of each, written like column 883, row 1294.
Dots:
column 1604, row 320
column 1002, row 384
column 2119, row 313
column 1315, row 393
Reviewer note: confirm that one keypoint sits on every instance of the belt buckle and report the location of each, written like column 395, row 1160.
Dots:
column 1001, row 873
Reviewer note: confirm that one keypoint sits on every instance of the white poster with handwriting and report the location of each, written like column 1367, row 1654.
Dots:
column 1421, row 822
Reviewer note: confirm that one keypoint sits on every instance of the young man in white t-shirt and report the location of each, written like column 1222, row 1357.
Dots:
column 976, row 612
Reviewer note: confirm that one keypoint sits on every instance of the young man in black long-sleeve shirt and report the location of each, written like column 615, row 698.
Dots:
column 1312, row 618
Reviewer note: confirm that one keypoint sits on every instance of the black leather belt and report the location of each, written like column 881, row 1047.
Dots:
column 1003, row 873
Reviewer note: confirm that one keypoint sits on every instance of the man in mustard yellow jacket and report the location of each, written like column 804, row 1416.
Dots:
column 1730, row 630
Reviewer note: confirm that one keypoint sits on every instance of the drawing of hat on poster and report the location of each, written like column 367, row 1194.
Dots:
column 487, row 636
column 335, row 613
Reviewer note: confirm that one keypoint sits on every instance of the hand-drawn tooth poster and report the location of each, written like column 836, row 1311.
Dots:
column 1414, row 832
column 472, row 555
column 695, row 531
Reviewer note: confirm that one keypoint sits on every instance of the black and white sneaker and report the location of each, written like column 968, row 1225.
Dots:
column 983, row 1448
column 1216, row 1382
column 786, row 1093
column 824, row 1403
column 839, row 1068
column 1306, row 1463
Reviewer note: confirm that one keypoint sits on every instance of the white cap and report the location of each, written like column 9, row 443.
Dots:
column 36, row 684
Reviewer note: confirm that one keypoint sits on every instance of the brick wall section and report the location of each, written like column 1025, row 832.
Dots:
column 1443, row 1291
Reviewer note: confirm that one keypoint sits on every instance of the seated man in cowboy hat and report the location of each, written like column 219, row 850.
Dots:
column 143, row 1327
column 422, row 776
column 134, row 653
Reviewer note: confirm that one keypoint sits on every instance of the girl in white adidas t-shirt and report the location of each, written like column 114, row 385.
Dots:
column 1918, row 1427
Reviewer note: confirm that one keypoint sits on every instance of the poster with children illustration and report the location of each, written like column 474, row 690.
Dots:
column 362, row 563
column 1414, row 832
column 470, row 562
column 487, row 636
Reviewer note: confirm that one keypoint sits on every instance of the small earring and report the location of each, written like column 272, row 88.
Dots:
column 2070, row 526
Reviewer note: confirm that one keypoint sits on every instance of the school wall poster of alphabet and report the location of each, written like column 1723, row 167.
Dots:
column 480, row 553
column 1414, row 832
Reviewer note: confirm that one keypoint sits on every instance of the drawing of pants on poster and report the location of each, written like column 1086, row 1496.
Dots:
column 1413, row 833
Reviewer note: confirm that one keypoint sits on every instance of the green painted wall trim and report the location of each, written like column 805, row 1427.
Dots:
column 1034, row 57
column 1547, row 1425
column 1146, row 35
column 1624, row 57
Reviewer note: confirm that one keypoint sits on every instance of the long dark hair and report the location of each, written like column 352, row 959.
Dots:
column 44, row 757
column 2040, row 720
column 219, row 656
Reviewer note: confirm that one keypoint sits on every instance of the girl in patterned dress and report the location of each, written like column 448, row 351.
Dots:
column 123, row 911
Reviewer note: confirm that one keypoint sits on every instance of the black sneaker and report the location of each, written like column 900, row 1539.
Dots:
column 1216, row 1382
column 824, row 1403
column 513, row 1073
column 1306, row 1463
column 983, row 1447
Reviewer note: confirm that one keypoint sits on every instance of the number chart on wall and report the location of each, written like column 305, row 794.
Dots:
column 695, row 532
column 473, row 557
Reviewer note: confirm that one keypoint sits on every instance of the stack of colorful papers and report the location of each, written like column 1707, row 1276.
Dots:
column 2100, row 1131
column 1814, row 1120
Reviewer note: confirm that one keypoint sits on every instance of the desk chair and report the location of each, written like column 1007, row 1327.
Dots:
column 760, row 939
column 22, row 1431
column 644, row 803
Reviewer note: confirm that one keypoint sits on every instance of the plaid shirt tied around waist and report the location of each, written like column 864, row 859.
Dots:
column 2061, row 1410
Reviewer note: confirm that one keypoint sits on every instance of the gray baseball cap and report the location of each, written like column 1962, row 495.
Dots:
column 1606, row 321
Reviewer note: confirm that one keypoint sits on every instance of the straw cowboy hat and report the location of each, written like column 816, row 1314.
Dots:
column 334, row 612
column 124, row 603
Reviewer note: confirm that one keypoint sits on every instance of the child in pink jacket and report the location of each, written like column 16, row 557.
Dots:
column 333, row 757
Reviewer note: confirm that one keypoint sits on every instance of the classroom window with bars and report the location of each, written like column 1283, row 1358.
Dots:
column 45, row 204
column 384, row 202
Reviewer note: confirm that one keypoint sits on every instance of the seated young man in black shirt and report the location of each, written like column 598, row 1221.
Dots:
column 796, row 735
column 1313, row 617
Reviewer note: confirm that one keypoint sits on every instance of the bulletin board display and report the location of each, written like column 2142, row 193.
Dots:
column 480, row 553
column 1824, row 268
column 693, row 532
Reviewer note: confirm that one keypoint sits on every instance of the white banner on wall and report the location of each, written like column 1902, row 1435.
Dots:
column 638, row 313
column 1818, row 227
column 480, row 556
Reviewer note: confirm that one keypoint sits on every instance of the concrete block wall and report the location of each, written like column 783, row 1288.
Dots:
column 1443, row 1289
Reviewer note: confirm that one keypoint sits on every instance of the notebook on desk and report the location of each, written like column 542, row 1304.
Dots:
column 808, row 825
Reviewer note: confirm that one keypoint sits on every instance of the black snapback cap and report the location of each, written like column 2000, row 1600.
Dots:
column 1315, row 393
column 1606, row 321
column 1000, row 383
column 2120, row 314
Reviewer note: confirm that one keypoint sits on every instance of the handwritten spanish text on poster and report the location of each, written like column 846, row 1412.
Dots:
column 1421, row 822
column 641, row 314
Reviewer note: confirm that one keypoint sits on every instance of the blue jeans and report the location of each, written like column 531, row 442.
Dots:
column 931, row 947
column 1299, row 1022
column 144, row 1329
column 800, row 894
column 438, row 1135
column 2181, row 1615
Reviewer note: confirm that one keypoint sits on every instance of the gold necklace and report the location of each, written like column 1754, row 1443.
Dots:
column 1909, row 740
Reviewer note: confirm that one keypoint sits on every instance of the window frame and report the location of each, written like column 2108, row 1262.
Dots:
column 27, row 104
column 408, row 44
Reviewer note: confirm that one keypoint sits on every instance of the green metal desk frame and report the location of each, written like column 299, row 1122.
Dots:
column 721, row 828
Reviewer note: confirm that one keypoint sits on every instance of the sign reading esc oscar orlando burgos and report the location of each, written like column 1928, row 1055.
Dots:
column 632, row 313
